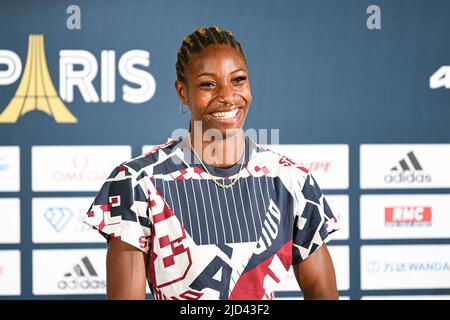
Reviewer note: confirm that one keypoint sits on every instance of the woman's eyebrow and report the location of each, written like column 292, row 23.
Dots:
column 213, row 74
column 237, row 70
column 206, row 74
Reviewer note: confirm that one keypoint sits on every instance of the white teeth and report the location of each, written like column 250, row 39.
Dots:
column 225, row 115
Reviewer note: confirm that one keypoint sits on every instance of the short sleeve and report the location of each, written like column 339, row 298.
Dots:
column 313, row 221
column 120, row 209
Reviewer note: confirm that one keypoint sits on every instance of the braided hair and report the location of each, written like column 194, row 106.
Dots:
column 199, row 40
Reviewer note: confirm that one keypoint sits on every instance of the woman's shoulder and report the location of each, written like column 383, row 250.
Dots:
column 280, row 164
column 150, row 158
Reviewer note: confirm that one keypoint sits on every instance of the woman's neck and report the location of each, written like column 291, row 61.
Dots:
column 223, row 152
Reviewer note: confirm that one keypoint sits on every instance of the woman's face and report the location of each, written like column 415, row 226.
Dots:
column 217, row 89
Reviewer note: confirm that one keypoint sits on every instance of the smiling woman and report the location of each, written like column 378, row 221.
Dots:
column 212, row 80
column 215, row 84
column 213, row 215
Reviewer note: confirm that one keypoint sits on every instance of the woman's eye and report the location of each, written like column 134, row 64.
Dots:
column 239, row 79
column 207, row 84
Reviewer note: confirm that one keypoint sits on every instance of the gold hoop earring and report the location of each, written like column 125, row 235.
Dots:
column 181, row 108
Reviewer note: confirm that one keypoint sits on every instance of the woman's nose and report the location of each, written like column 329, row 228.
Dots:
column 226, row 94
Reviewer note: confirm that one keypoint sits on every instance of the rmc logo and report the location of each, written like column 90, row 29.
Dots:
column 77, row 68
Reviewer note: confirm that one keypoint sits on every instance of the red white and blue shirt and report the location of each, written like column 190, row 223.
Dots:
column 206, row 242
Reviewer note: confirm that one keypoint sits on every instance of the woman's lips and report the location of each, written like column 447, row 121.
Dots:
column 225, row 114
column 230, row 116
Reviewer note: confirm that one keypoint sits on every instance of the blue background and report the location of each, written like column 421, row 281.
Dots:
column 316, row 71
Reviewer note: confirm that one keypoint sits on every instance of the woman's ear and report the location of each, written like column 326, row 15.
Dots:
column 181, row 91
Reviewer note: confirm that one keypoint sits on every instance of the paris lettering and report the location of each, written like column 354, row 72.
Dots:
column 77, row 70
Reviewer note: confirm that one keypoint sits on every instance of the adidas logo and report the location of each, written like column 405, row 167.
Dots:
column 404, row 165
column 58, row 217
column 408, row 171
column 79, row 272
column 81, row 277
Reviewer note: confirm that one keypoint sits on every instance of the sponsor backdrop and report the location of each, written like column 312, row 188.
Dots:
column 359, row 91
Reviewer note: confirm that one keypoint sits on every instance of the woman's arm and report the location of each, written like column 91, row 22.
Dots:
column 125, row 271
column 315, row 276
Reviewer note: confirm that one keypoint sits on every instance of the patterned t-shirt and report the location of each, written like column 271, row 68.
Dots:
column 206, row 242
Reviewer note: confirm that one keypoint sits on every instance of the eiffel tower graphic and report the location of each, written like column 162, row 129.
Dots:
column 36, row 90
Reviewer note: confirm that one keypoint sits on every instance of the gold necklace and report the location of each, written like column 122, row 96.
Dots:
column 223, row 186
